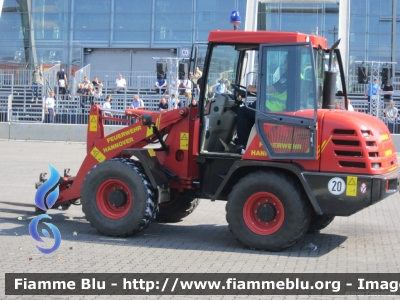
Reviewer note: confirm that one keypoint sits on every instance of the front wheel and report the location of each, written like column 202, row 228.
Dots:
column 267, row 211
column 117, row 198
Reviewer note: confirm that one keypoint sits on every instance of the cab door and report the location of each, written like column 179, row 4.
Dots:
column 286, row 117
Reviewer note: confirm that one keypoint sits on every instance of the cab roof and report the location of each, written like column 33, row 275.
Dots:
column 264, row 37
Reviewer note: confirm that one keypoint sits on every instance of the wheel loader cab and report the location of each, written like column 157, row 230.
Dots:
column 226, row 71
column 219, row 117
column 284, row 76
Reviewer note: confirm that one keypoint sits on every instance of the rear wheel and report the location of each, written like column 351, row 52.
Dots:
column 318, row 223
column 117, row 198
column 267, row 211
column 178, row 208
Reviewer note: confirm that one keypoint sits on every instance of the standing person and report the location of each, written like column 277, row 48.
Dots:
column 49, row 106
column 97, row 93
column 173, row 101
column 163, row 106
column 86, row 88
column 120, row 84
column 175, row 85
column 222, row 86
column 86, row 82
column 90, row 93
column 81, row 92
column 199, row 80
column 107, row 105
column 62, row 81
column 373, row 89
column 197, row 75
column 98, row 85
column 349, row 106
column 161, row 85
column 335, row 68
column 137, row 103
column 187, row 84
column 67, row 92
column 388, row 91
column 391, row 115
column 36, row 81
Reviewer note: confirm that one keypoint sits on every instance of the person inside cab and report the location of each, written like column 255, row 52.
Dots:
column 246, row 115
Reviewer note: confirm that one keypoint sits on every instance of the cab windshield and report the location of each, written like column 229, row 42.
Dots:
column 228, row 60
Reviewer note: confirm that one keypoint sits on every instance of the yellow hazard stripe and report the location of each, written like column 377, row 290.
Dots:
column 388, row 152
column 322, row 147
column 384, row 137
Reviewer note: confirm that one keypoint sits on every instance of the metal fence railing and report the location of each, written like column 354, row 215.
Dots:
column 5, row 106
column 5, row 79
column 50, row 79
column 141, row 80
column 360, row 105
column 146, row 82
column 76, row 110
column 353, row 87
column 73, row 110
column 133, row 79
column 15, row 77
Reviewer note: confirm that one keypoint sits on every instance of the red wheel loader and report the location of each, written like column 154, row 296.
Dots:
column 304, row 162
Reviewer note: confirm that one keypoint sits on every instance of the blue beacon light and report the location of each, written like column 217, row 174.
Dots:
column 235, row 19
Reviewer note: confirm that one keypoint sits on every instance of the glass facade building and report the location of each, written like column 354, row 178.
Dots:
column 372, row 36
column 316, row 18
column 51, row 31
column 371, row 30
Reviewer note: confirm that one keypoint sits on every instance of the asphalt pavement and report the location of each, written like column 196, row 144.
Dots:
column 367, row 242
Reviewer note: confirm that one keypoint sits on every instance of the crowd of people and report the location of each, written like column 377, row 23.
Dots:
column 89, row 91
column 390, row 113
column 178, row 87
column 138, row 104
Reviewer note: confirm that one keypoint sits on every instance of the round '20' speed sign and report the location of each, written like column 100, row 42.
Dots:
column 336, row 186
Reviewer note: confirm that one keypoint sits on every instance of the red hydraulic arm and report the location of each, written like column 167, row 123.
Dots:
column 101, row 148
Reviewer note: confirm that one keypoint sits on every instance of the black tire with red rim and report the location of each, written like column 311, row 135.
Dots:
column 178, row 208
column 117, row 198
column 318, row 223
column 268, row 210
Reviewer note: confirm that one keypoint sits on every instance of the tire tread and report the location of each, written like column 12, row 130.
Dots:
column 303, row 209
column 151, row 207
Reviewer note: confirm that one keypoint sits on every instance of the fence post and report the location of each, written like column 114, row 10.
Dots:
column 9, row 107
column 139, row 84
column 106, row 86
